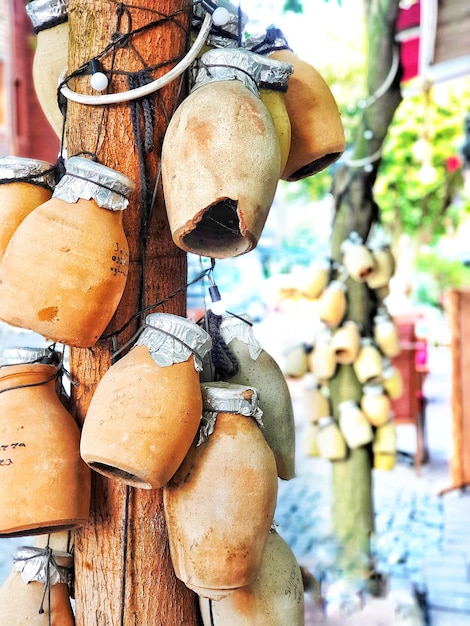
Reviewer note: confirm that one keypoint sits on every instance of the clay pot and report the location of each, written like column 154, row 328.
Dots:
column 217, row 534
column 40, row 455
column 357, row 258
column 317, row 403
column 386, row 335
column 258, row 369
column 354, row 425
column 316, row 279
column 321, row 360
column 385, row 446
column 345, row 343
column 384, row 268
column 330, row 441
column 146, row 409
column 332, row 304
column 275, row 598
column 368, row 364
column 69, row 285
column 274, row 101
column 22, row 594
column 392, row 381
column 26, row 183
column 296, row 362
column 310, row 440
column 375, row 404
column 220, row 160
column 50, row 22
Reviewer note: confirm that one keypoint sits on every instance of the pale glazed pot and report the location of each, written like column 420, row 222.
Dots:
column 375, row 404
column 40, row 455
column 20, row 600
column 219, row 505
column 368, row 364
column 317, row 277
column 275, row 598
column 146, row 409
column 19, row 196
column 330, row 441
column 386, row 335
column 321, row 360
column 69, row 284
column 345, row 343
column 392, row 381
column 50, row 22
column 296, row 362
column 316, row 403
column 258, row 369
column 354, row 425
column 385, row 446
column 332, row 304
column 220, row 165
column 357, row 258
column 384, row 268
column 310, row 440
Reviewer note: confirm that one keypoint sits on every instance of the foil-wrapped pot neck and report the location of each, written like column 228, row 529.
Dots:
column 43, row 565
column 90, row 180
column 25, row 355
column 239, row 327
column 268, row 41
column 47, row 13
column 173, row 339
column 226, row 36
column 19, row 169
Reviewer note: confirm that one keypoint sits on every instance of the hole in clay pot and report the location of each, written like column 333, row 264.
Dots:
column 218, row 231
column 115, row 472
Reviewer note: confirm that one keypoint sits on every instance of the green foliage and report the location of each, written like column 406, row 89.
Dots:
column 435, row 275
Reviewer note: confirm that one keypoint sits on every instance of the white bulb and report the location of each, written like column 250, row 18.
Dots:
column 99, row 81
column 221, row 16
column 218, row 307
column 368, row 134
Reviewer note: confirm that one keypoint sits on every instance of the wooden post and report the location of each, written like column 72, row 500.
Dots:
column 123, row 570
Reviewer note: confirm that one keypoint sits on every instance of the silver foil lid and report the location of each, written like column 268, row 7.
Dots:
column 226, row 64
column 90, row 180
column 347, row 405
column 173, row 339
column 46, row 13
column 14, row 168
column 267, row 41
column 240, row 328
column 42, row 565
column 225, row 36
column 222, row 397
column 22, row 355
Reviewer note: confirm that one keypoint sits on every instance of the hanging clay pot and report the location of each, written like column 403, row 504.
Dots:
column 220, row 159
column 321, row 360
column 24, row 185
column 317, row 277
column 310, row 440
column 357, row 258
column 384, row 268
column 330, row 441
column 354, row 425
column 385, row 446
column 146, row 409
column 296, row 362
column 39, row 453
column 50, row 22
column 332, row 304
column 317, row 131
column 317, row 402
column 69, row 285
column 219, row 505
column 345, row 343
column 258, row 369
column 375, row 404
column 24, row 592
column 386, row 334
column 392, row 380
column 275, row 598
column 368, row 364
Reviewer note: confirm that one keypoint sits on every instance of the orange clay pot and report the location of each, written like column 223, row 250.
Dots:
column 275, row 598
column 384, row 268
column 332, row 304
column 69, row 284
column 21, row 599
column 39, row 455
column 316, row 279
column 368, row 364
column 330, row 441
column 258, row 369
column 146, row 409
column 385, row 447
column 18, row 197
column 345, row 343
column 357, row 258
column 375, row 404
column 296, row 362
column 50, row 22
column 392, row 381
column 317, row 403
column 310, row 440
column 386, row 335
column 219, row 505
column 321, row 360
column 354, row 425
column 220, row 162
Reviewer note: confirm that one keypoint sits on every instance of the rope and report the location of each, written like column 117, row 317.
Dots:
column 225, row 364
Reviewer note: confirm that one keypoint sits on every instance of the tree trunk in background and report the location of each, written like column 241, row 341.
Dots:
column 356, row 210
column 123, row 570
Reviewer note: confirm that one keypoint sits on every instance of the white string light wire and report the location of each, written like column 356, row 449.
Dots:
column 144, row 90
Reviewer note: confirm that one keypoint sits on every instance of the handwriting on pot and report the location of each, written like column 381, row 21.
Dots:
column 4, row 447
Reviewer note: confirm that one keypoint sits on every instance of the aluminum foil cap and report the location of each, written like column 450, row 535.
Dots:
column 23, row 355
column 14, row 169
column 47, row 13
column 35, row 564
column 173, row 339
column 225, row 36
column 90, row 180
column 240, row 328
column 268, row 41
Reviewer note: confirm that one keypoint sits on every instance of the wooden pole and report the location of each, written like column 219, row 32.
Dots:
column 123, row 571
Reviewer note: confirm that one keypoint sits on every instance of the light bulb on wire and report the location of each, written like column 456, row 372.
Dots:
column 98, row 80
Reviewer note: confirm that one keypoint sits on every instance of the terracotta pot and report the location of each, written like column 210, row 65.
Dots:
column 317, row 403
column 21, row 595
column 146, row 409
column 392, row 381
column 357, row 258
column 258, row 369
column 317, row 277
column 345, row 343
column 69, row 285
column 310, row 440
column 330, row 441
column 322, row 362
column 386, row 335
column 274, row 101
column 296, row 362
column 220, row 161
column 368, row 364
column 275, row 598
column 217, row 534
column 50, row 22
column 375, row 404
column 40, row 455
column 354, row 425
column 385, row 446
column 384, row 268
column 332, row 304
